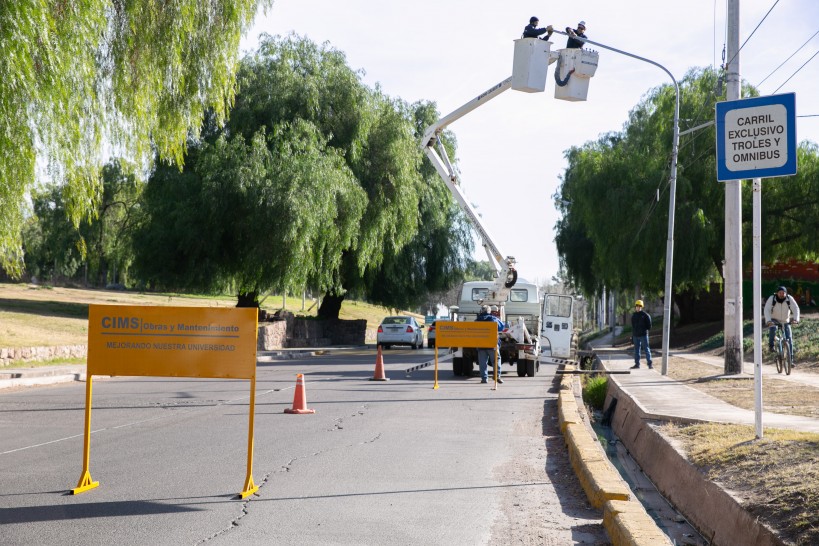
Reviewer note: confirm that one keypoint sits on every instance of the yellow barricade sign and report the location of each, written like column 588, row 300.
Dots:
column 482, row 335
column 170, row 342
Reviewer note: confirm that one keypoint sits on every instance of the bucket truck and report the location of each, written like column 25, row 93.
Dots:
column 521, row 341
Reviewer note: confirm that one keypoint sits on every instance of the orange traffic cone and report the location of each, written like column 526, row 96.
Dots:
column 379, row 368
column 299, row 398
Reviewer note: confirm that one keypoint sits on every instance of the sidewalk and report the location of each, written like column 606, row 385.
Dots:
column 663, row 398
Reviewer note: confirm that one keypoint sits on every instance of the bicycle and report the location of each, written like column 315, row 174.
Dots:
column 784, row 351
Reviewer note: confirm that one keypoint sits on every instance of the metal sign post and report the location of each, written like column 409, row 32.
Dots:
column 756, row 138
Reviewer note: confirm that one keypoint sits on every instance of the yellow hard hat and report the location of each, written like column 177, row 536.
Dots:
column 639, row 302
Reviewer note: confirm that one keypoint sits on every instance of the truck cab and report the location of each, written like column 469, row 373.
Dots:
column 520, row 311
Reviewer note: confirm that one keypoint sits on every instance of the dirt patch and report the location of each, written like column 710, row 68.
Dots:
column 775, row 479
column 778, row 395
column 543, row 505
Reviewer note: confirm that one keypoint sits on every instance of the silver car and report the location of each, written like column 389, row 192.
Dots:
column 400, row 331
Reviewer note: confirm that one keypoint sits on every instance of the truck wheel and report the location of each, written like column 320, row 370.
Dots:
column 521, row 368
column 457, row 366
column 467, row 367
column 530, row 368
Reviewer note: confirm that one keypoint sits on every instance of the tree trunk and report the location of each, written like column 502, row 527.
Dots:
column 330, row 306
column 248, row 299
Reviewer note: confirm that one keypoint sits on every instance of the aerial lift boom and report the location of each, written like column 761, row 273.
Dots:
column 505, row 273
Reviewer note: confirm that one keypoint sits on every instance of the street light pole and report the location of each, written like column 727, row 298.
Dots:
column 672, row 183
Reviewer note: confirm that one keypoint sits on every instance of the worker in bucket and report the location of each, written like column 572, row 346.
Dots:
column 531, row 30
column 579, row 32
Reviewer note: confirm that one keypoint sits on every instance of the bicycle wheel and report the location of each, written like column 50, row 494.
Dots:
column 778, row 358
column 787, row 356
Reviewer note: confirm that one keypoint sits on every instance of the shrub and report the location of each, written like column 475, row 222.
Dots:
column 594, row 391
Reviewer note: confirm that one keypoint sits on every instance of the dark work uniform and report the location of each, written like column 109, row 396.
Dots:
column 485, row 355
column 640, row 326
column 531, row 32
column 572, row 43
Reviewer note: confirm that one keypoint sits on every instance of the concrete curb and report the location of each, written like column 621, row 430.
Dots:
column 625, row 519
column 715, row 513
column 40, row 380
column 50, row 375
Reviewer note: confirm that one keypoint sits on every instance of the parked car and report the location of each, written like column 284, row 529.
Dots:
column 431, row 335
column 400, row 331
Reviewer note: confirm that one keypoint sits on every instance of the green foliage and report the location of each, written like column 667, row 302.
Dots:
column 137, row 75
column 614, row 223
column 107, row 234
column 55, row 248
column 479, row 271
column 594, row 391
column 790, row 214
column 271, row 214
column 435, row 258
column 52, row 244
column 409, row 238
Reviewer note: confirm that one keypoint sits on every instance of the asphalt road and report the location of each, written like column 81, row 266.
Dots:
column 378, row 463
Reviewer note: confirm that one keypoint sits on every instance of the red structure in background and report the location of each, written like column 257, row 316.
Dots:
column 800, row 278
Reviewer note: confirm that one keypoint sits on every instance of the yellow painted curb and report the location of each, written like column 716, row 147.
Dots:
column 625, row 520
column 567, row 413
column 627, row 523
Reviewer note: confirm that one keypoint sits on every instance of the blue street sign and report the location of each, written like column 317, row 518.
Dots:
column 756, row 138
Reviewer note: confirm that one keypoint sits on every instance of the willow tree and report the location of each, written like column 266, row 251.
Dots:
column 408, row 237
column 80, row 77
column 615, row 197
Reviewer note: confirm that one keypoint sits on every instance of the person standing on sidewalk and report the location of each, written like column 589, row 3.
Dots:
column 640, row 326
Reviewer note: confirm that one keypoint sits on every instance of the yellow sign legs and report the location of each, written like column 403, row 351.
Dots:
column 250, row 487
column 85, row 482
column 436, row 365
column 495, row 352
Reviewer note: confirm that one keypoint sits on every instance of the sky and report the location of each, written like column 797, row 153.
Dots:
column 511, row 150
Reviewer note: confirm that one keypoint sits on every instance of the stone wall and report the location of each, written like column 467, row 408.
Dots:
column 19, row 355
column 272, row 335
column 294, row 332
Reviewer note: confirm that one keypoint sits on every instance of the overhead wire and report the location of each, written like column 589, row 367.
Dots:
column 752, row 33
column 788, row 59
column 714, row 60
column 795, row 73
column 662, row 187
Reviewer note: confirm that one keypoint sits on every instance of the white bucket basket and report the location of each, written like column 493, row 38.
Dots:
column 584, row 64
column 530, row 65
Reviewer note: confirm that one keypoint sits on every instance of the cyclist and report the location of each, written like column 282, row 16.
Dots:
column 784, row 309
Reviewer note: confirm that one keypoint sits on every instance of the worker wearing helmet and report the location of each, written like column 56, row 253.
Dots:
column 484, row 354
column 640, row 326
column 580, row 31
column 531, row 30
